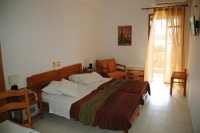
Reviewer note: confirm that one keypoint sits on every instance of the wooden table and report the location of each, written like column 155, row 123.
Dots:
column 135, row 75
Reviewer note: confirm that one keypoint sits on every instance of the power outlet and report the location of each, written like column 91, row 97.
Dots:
column 56, row 64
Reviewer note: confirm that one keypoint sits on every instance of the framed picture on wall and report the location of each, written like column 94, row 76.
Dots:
column 124, row 35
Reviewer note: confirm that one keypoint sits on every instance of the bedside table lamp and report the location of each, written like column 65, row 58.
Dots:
column 13, row 80
column 90, row 61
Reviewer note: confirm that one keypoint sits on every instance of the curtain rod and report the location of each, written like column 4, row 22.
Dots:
column 163, row 7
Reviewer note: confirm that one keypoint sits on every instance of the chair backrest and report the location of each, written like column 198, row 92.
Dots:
column 99, row 62
column 9, row 94
column 179, row 74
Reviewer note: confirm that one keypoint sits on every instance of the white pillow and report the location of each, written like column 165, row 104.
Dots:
column 74, row 78
column 68, row 88
column 90, row 78
column 51, row 88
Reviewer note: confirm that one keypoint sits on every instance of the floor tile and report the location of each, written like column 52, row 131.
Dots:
column 97, row 130
column 176, row 118
column 174, row 126
column 147, row 114
column 164, row 110
column 142, row 121
column 138, row 129
column 153, row 129
column 159, row 116
column 158, row 123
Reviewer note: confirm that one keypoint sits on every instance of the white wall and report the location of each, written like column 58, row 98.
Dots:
column 194, row 73
column 35, row 33
column 122, row 13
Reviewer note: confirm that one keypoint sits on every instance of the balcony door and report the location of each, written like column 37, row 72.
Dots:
column 165, row 52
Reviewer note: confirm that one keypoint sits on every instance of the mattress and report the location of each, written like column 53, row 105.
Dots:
column 46, row 97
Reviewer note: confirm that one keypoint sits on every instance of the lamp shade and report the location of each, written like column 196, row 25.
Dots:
column 13, row 79
column 90, row 60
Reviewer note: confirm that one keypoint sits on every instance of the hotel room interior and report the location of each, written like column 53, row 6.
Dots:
column 35, row 34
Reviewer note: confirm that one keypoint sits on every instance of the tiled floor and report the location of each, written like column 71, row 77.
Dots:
column 161, row 113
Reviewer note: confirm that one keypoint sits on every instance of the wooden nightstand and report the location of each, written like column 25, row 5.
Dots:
column 35, row 108
column 86, row 70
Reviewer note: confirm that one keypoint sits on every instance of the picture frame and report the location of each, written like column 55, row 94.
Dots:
column 124, row 35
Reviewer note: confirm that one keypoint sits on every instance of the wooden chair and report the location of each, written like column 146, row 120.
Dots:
column 9, row 106
column 111, row 69
column 181, row 77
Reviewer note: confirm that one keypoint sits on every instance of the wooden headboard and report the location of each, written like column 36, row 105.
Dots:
column 39, row 81
column 65, row 72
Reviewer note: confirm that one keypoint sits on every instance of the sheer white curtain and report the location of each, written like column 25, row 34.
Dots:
column 165, row 51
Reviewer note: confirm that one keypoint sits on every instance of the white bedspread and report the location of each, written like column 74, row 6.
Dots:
column 61, row 104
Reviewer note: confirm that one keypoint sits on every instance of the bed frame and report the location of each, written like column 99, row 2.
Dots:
column 38, row 81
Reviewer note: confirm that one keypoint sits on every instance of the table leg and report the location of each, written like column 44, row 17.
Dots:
column 184, row 91
column 171, row 85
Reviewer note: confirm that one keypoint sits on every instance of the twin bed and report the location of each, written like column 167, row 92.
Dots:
column 89, row 98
